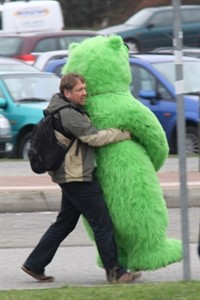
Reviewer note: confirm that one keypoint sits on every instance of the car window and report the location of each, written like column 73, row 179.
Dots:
column 191, row 15
column 65, row 41
column 32, row 86
column 15, row 87
column 164, row 18
column 142, row 79
column 1, row 20
column 58, row 71
column 57, row 43
column 145, row 81
column 47, row 44
column 1, row 90
column 191, row 74
column 10, row 45
column 139, row 18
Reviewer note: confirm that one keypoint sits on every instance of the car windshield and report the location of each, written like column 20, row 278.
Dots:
column 32, row 87
column 139, row 18
column 191, row 74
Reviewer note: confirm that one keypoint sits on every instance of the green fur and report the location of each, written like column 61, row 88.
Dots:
column 127, row 170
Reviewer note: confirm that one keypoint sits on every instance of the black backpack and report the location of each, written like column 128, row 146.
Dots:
column 45, row 152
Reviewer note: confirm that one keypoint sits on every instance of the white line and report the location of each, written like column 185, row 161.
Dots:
column 42, row 188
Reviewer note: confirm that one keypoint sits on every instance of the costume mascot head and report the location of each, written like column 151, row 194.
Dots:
column 126, row 170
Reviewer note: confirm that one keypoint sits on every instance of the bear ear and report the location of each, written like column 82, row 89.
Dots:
column 115, row 42
column 73, row 45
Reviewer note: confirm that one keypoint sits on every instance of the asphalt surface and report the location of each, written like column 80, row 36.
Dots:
column 75, row 261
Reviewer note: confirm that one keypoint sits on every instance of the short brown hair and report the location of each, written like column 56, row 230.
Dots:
column 69, row 80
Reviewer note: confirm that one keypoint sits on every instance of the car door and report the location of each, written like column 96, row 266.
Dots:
column 159, row 31
column 153, row 93
column 191, row 26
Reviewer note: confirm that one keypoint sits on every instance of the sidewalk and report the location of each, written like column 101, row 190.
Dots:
column 75, row 261
column 76, row 267
column 24, row 191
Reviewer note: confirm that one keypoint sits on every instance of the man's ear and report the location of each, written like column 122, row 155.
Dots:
column 66, row 93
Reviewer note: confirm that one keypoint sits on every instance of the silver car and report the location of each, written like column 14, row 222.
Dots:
column 6, row 145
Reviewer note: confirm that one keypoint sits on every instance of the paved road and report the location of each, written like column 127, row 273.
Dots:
column 16, row 228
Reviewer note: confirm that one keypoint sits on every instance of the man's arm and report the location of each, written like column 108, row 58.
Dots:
column 104, row 137
column 81, row 127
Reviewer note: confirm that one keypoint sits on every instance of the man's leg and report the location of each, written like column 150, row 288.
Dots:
column 45, row 250
column 89, row 200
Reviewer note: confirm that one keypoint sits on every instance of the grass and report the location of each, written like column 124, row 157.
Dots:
column 161, row 291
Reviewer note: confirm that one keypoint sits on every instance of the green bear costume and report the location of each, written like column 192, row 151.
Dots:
column 126, row 170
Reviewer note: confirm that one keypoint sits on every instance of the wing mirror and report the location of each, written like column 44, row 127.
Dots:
column 3, row 103
column 150, row 95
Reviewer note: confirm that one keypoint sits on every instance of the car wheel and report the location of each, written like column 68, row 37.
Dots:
column 133, row 45
column 24, row 146
column 192, row 143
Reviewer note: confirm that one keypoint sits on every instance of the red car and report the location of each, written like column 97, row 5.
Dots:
column 23, row 46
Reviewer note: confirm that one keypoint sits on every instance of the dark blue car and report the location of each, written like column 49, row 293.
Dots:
column 152, row 27
column 154, row 85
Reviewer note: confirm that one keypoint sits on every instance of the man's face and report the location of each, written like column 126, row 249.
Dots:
column 78, row 94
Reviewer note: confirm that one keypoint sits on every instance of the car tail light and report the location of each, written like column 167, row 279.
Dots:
column 28, row 58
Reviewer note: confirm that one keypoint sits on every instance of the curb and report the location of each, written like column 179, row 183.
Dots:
column 37, row 199
column 24, row 191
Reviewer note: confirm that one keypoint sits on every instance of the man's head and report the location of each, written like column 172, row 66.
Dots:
column 73, row 87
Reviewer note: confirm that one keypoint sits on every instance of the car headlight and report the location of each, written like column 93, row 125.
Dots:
column 5, row 128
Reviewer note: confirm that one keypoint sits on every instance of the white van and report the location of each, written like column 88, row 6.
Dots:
column 30, row 16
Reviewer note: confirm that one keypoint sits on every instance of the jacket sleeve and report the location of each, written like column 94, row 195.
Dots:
column 81, row 127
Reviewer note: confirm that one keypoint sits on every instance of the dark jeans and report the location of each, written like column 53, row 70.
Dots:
column 78, row 198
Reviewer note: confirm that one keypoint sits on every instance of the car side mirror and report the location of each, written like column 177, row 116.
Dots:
column 3, row 103
column 150, row 95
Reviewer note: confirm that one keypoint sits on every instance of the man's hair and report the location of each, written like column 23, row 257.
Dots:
column 69, row 80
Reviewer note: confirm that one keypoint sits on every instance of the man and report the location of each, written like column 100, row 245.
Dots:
column 81, row 193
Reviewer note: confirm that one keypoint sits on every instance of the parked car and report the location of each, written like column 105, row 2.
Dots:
column 55, row 66
column 44, row 57
column 193, row 52
column 12, row 65
column 23, row 46
column 6, row 145
column 153, row 85
column 23, row 97
column 152, row 27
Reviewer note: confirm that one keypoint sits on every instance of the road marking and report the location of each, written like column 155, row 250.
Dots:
column 45, row 187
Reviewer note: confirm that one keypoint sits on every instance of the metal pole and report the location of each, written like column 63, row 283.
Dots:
column 177, row 42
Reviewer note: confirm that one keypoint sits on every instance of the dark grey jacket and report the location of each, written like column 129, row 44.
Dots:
column 79, row 161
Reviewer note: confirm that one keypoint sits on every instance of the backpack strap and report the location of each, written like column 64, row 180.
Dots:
column 57, row 123
column 46, row 112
